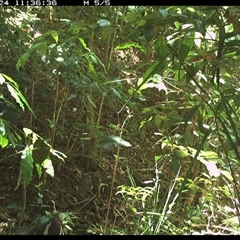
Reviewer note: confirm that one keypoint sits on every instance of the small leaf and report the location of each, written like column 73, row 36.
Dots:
column 42, row 48
column 127, row 45
column 83, row 43
column 54, row 34
column 47, row 164
column 39, row 169
column 158, row 120
column 27, row 131
column 2, row 127
column 15, row 95
column 22, row 60
column 3, row 141
column 183, row 52
column 2, row 80
column 174, row 164
column 103, row 23
column 227, row 175
column 113, row 141
column 40, row 151
column 90, row 100
column 164, row 13
column 116, row 93
column 161, row 47
column 58, row 154
column 27, row 165
column 148, row 32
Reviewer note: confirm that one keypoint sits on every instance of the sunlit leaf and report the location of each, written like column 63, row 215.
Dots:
column 232, row 221
column 227, row 175
column 47, row 165
column 2, row 80
column 54, row 34
column 58, row 154
column 42, row 48
column 211, row 167
column 3, row 141
column 83, row 43
column 39, row 169
column 113, row 141
column 15, row 95
column 27, row 131
column 127, row 45
column 116, row 93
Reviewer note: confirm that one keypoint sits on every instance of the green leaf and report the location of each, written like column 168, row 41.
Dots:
column 209, row 155
column 42, row 48
column 14, row 90
column 161, row 47
column 183, row 52
column 148, row 32
column 15, row 95
column 2, row 127
column 83, row 43
column 22, row 60
column 39, row 169
column 174, row 164
column 182, row 152
column 164, row 13
column 158, row 120
column 54, row 34
column 155, row 68
column 191, row 113
column 27, row 165
column 127, row 45
column 3, row 141
column 227, row 174
column 116, row 93
column 40, row 151
column 90, row 100
column 103, row 23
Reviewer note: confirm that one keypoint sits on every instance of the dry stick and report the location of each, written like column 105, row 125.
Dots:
column 32, row 102
column 100, row 110
column 110, row 50
column 54, row 111
column 111, row 189
column 30, row 126
column 114, row 175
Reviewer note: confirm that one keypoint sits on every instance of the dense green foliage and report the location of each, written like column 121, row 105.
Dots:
column 163, row 79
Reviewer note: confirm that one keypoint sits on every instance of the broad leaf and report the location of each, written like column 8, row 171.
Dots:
column 27, row 165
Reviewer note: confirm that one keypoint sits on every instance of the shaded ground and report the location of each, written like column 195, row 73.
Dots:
column 81, row 187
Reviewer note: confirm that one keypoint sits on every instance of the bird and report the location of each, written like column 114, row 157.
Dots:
column 52, row 227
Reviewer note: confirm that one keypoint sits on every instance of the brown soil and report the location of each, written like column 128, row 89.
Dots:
column 81, row 188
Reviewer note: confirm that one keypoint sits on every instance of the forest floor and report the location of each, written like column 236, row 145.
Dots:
column 81, row 188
